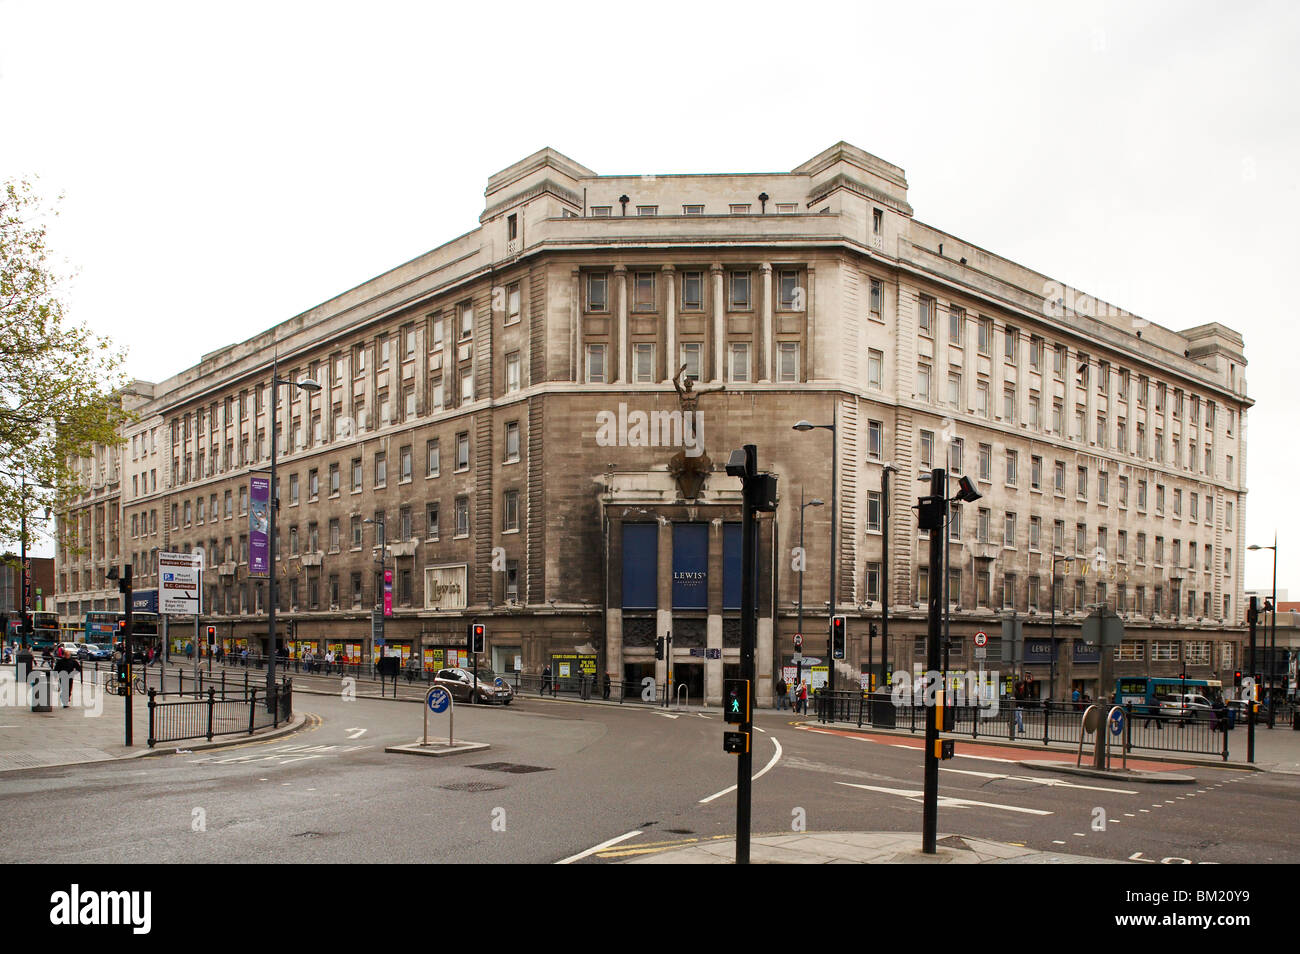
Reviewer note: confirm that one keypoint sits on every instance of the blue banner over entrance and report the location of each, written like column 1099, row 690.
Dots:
column 640, row 565
column 691, row 566
column 732, row 561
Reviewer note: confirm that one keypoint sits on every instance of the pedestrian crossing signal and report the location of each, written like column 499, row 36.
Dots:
column 736, row 701
column 839, row 636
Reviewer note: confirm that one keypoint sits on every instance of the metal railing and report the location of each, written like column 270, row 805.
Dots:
column 175, row 718
column 1030, row 720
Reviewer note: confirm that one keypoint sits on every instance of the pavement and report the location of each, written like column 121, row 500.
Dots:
column 859, row 847
column 92, row 728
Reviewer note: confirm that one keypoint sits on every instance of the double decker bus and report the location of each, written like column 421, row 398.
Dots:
column 45, row 630
column 101, row 628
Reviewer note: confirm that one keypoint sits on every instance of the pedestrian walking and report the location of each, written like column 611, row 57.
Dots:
column 546, row 679
column 605, row 689
column 782, row 694
column 803, row 698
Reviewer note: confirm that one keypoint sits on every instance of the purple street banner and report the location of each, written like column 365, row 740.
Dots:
column 388, row 592
column 259, row 549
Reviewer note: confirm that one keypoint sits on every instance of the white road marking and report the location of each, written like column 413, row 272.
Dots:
column 359, row 733
column 1054, row 782
column 1058, row 842
column 757, row 729
column 602, row 846
column 1079, row 834
column 757, row 775
column 666, row 715
column 947, row 801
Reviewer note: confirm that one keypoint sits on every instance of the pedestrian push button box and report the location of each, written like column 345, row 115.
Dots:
column 735, row 743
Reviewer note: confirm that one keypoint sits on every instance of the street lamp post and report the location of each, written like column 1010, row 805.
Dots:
column 815, row 502
column 1273, row 650
column 381, row 541
column 835, row 461
column 273, row 510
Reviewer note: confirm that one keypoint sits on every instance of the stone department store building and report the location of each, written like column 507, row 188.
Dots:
column 504, row 407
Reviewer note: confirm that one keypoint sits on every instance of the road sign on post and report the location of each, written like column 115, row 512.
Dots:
column 178, row 584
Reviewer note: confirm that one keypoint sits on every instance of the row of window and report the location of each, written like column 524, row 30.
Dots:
column 790, row 292
column 927, row 325
column 1169, row 600
column 734, row 208
column 740, row 361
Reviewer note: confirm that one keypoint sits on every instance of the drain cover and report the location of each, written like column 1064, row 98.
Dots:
column 511, row 767
column 472, row 787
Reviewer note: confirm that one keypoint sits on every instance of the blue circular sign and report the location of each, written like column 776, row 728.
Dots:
column 438, row 699
column 499, row 682
column 1117, row 722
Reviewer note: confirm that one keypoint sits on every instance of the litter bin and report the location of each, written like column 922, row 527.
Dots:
column 39, row 681
column 882, row 710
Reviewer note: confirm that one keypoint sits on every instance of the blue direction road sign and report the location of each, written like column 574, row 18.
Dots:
column 439, row 699
column 1117, row 722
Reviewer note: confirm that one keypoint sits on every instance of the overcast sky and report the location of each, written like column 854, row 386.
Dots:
column 227, row 166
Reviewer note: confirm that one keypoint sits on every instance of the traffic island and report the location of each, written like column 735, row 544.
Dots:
column 437, row 748
column 1117, row 775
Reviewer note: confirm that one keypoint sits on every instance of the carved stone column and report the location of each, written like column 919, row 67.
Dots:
column 620, row 291
column 670, row 322
column 763, row 360
column 719, row 321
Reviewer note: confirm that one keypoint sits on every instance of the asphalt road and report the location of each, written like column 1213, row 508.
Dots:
column 563, row 777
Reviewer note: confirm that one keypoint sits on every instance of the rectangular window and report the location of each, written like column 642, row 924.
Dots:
column 692, row 210
column 1009, row 529
column 1081, row 483
column 873, row 510
column 466, row 320
column 925, row 315
column 954, row 388
column 740, row 291
column 644, row 298
column 334, row 480
column 1035, row 352
column 982, row 399
column 986, row 461
column 692, row 291
column 875, row 439
column 510, row 510
column 600, row 211
column 691, row 351
column 790, row 295
column 875, row 366
column 985, row 341
column 462, row 451
column 983, row 519
column 512, row 372
column 877, row 297
column 596, row 363
column 923, row 382
column 738, row 208
column 955, row 449
column 1059, row 478
column 1011, row 343
column 1035, row 532
column 467, row 384
column 956, row 325
column 927, row 450
column 787, row 361
column 1013, row 460
column 462, row 516
column 647, row 210
column 597, row 291
column 738, row 353
column 431, row 521
column 512, row 441
column 643, row 360
column 1036, row 472
column 356, row 475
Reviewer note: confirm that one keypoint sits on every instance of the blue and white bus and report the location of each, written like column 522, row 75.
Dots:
column 1146, row 692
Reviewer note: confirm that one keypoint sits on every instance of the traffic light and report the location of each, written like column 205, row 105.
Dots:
column 659, row 647
column 478, row 637
column 212, row 635
column 1236, row 677
column 736, row 701
column 839, row 636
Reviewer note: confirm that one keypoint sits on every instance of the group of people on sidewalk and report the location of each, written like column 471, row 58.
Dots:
column 790, row 695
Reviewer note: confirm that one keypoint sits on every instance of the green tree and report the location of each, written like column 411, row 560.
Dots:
column 60, row 382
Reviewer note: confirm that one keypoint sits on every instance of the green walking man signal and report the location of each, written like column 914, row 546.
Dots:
column 736, row 699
